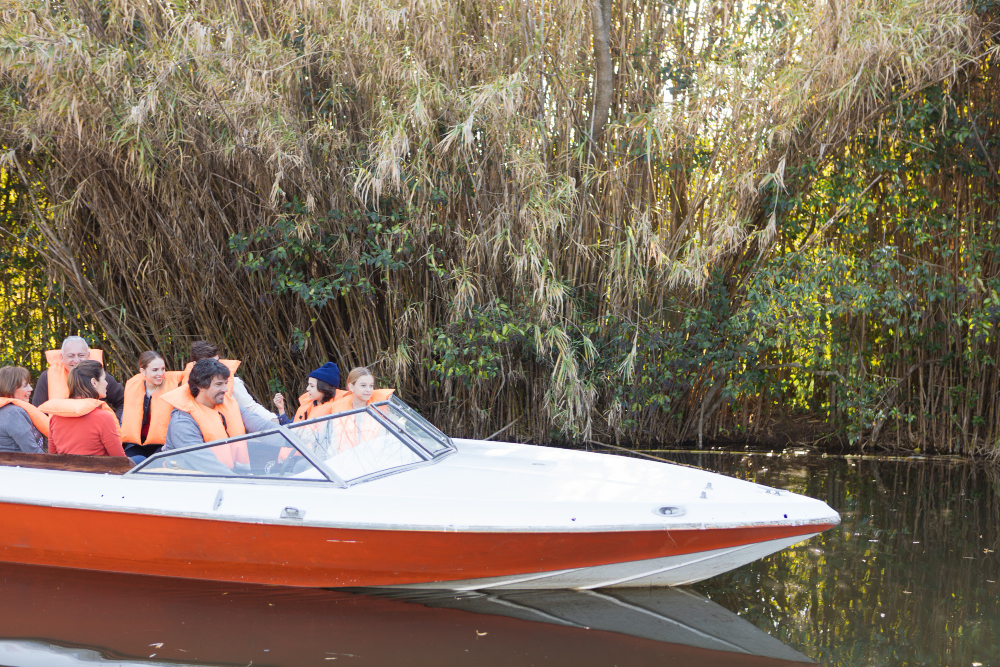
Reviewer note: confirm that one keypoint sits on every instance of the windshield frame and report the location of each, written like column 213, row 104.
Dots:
column 287, row 432
column 423, row 424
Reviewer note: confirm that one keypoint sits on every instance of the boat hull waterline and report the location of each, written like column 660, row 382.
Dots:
column 262, row 553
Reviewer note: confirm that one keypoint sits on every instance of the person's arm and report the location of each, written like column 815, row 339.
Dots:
column 115, row 396
column 247, row 402
column 41, row 393
column 253, row 422
column 182, row 431
column 22, row 432
column 108, row 432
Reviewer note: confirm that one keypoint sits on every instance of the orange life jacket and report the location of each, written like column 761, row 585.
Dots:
column 210, row 422
column 352, row 430
column 346, row 402
column 77, row 407
column 58, row 374
column 231, row 364
column 159, row 417
column 38, row 418
column 308, row 409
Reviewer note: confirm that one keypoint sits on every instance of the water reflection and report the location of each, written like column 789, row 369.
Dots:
column 909, row 577
column 54, row 618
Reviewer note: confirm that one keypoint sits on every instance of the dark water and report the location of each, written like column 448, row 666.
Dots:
column 909, row 578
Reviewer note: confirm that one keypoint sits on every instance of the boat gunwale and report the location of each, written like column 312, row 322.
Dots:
column 828, row 522
column 85, row 463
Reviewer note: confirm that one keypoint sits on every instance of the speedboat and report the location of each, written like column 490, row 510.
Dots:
column 379, row 497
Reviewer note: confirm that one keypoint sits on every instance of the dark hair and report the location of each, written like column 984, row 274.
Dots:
column 148, row 357
column 11, row 379
column 80, row 377
column 325, row 389
column 202, row 349
column 204, row 371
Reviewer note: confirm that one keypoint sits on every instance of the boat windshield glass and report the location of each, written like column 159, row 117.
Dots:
column 267, row 455
column 359, row 444
column 344, row 448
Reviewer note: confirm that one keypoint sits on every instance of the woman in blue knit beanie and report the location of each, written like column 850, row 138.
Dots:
column 321, row 390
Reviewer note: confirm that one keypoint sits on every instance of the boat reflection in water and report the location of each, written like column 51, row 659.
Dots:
column 59, row 617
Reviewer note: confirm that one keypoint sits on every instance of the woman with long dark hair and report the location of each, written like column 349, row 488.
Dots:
column 83, row 423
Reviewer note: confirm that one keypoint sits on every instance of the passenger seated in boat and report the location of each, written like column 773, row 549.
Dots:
column 146, row 416
column 23, row 427
column 321, row 392
column 203, row 411
column 84, row 423
column 352, row 430
column 361, row 391
column 54, row 382
column 202, row 349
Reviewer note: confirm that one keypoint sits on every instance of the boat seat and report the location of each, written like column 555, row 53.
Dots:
column 113, row 465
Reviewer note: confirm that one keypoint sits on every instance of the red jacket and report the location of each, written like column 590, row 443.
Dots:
column 93, row 434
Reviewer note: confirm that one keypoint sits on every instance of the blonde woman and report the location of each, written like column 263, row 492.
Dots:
column 361, row 391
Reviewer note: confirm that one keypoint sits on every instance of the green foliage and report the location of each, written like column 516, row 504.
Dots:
column 902, row 279
column 319, row 259
column 32, row 315
column 480, row 346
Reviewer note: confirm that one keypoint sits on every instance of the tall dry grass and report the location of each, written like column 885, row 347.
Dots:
column 149, row 133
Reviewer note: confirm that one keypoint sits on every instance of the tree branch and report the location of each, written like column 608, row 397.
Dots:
column 600, row 16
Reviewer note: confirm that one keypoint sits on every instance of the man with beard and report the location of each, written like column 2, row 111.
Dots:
column 203, row 412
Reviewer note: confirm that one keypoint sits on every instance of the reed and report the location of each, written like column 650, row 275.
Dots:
column 419, row 186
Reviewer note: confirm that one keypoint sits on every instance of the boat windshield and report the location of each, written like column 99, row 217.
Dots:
column 344, row 448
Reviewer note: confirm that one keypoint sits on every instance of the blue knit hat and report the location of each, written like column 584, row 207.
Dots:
column 328, row 373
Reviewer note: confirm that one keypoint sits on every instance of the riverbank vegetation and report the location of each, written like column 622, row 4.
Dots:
column 625, row 222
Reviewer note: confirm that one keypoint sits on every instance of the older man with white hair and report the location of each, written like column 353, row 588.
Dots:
column 54, row 382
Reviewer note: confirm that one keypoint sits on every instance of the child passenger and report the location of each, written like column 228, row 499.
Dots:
column 352, row 430
column 321, row 392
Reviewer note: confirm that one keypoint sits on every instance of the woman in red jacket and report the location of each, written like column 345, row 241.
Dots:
column 83, row 423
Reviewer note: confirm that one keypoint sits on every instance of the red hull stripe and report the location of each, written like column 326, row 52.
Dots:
column 290, row 555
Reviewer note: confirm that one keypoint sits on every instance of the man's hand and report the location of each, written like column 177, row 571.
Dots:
column 279, row 402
